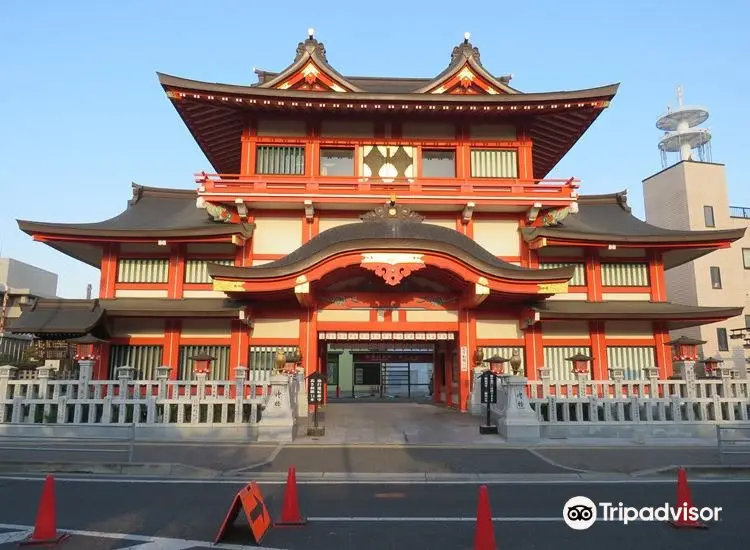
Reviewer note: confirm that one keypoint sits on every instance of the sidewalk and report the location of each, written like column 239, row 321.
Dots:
column 217, row 459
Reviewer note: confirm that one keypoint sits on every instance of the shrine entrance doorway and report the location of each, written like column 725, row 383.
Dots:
column 410, row 367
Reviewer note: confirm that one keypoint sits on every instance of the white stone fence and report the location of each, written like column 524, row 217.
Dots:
column 683, row 406
column 162, row 401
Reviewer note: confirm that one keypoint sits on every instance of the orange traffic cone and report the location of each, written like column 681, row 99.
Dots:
column 684, row 503
column 45, row 526
column 290, row 513
column 484, row 535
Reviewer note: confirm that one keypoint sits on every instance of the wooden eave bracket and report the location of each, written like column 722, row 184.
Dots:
column 480, row 294
column 309, row 211
column 467, row 212
column 529, row 317
column 241, row 208
column 245, row 316
column 537, row 243
column 238, row 241
column 533, row 212
column 302, row 291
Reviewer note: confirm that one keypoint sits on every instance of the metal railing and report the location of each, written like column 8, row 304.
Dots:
column 739, row 212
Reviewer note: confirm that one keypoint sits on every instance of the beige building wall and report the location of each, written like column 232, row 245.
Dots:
column 675, row 199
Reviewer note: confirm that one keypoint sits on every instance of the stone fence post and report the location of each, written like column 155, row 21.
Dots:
column 85, row 370
column 162, row 378
column 240, row 377
column 544, row 376
column 6, row 373
column 125, row 375
column 617, row 374
column 652, row 373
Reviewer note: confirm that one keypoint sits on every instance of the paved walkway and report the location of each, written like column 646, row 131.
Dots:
column 386, row 422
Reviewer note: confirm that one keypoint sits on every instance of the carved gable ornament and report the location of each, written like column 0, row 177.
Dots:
column 391, row 211
column 393, row 267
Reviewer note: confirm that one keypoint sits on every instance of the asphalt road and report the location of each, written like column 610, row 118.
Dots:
column 378, row 516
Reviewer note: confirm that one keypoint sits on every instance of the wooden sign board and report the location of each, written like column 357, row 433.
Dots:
column 250, row 500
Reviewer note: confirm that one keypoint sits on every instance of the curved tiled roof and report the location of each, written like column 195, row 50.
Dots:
column 389, row 235
column 152, row 212
column 608, row 218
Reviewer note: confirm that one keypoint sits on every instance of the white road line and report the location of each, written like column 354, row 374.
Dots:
column 435, row 519
column 75, row 449
column 13, row 536
column 281, row 480
column 160, row 545
column 166, row 543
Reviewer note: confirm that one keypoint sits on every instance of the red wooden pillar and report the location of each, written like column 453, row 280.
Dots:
column 593, row 276
column 239, row 350
column 171, row 354
column 663, row 352
column 656, row 277
column 108, row 276
column 600, row 364
column 533, row 351
column 437, row 375
column 449, row 373
column 101, row 368
column 466, row 347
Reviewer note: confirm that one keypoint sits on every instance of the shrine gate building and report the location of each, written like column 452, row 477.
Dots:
column 384, row 231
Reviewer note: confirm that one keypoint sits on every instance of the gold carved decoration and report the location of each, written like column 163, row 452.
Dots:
column 553, row 288
column 229, row 286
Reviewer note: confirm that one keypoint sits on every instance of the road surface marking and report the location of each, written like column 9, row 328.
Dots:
column 160, row 545
column 435, row 519
column 14, row 536
column 390, row 495
column 155, row 542
column 58, row 449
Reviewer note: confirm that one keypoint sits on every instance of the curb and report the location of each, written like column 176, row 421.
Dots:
column 160, row 469
column 698, row 470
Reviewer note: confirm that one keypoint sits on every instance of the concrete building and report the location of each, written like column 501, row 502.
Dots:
column 691, row 195
column 19, row 283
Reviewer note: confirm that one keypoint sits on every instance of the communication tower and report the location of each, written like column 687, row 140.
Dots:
column 681, row 134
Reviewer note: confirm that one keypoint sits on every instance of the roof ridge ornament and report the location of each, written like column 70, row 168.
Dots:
column 392, row 211
column 310, row 46
column 464, row 51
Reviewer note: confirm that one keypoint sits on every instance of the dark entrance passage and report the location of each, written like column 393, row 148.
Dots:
column 380, row 371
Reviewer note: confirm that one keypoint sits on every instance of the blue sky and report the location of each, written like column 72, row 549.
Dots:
column 82, row 114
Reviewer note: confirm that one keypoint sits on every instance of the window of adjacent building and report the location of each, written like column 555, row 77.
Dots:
column 285, row 160
column 708, row 216
column 438, row 163
column 715, row 277
column 625, row 274
column 746, row 257
column 747, row 321
column 336, row 162
column 196, row 271
column 138, row 270
column 494, row 163
column 722, row 339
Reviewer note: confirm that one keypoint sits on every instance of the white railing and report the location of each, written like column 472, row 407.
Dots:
column 717, row 398
column 125, row 401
